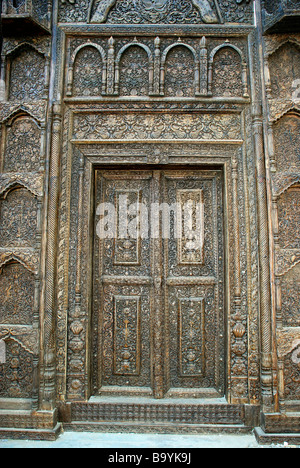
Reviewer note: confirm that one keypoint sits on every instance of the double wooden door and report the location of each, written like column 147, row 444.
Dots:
column 158, row 300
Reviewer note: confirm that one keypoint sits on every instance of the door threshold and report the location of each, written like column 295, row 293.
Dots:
column 131, row 400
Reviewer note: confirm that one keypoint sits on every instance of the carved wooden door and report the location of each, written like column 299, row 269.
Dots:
column 158, row 283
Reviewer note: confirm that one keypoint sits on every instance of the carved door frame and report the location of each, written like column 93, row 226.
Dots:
column 79, row 162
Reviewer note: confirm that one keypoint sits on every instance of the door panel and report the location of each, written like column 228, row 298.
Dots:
column 194, row 283
column 122, row 283
column 158, row 293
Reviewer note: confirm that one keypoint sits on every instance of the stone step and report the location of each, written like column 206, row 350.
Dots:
column 156, row 428
column 281, row 423
column 156, row 412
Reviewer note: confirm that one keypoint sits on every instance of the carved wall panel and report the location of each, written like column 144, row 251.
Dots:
column 292, row 375
column 289, row 219
column 163, row 11
column 18, row 218
column 227, row 73
column 287, row 143
column 180, row 69
column 26, row 75
column 134, row 72
column 22, row 146
column 16, row 375
column 88, row 67
column 127, row 126
column 290, row 290
column 17, row 295
column 284, row 65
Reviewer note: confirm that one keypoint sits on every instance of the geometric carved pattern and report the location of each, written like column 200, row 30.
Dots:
column 16, row 295
column 289, row 219
column 18, row 218
column 227, row 80
column 23, row 146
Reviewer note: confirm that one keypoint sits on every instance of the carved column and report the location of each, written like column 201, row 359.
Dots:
column 48, row 390
column 203, row 68
column 264, row 261
column 77, row 316
column 157, row 324
column 156, row 67
column 239, row 330
column 110, row 66
column 2, row 79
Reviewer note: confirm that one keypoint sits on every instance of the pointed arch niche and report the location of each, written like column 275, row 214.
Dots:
column 22, row 143
column 19, row 215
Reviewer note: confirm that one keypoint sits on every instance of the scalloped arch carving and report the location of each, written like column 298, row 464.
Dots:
column 284, row 65
column 181, row 71
column 22, row 144
column 18, row 217
column 134, row 63
column 26, row 74
column 17, row 285
column 88, row 67
column 227, row 63
column 289, row 218
column 286, row 133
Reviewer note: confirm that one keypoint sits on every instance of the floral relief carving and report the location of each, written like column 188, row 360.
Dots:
column 18, row 218
column 27, row 75
column 23, row 146
column 16, row 375
column 290, row 287
column 17, row 292
column 160, row 126
column 289, row 219
column 180, row 73
column 286, row 138
column 284, row 70
column 134, row 72
column 227, row 73
column 87, row 73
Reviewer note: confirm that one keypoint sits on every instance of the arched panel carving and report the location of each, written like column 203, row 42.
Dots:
column 88, row 72
column 16, row 375
column 18, row 218
column 284, row 66
column 180, row 72
column 22, row 145
column 290, row 291
column 17, row 286
column 227, row 73
column 26, row 74
column 292, row 375
column 134, row 68
column 287, row 142
column 289, row 218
